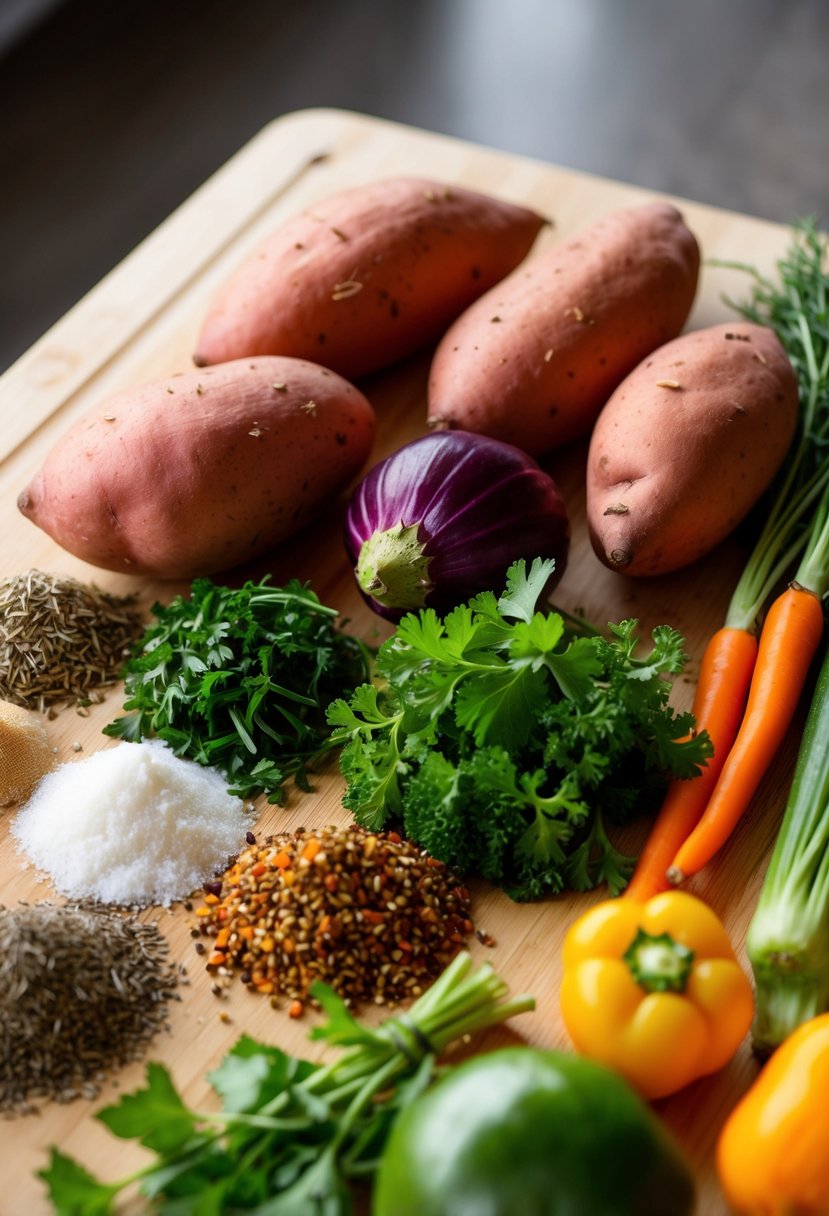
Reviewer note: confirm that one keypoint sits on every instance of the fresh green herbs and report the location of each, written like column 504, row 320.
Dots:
column 504, row 744
column 239, row 679
column 291, row 1135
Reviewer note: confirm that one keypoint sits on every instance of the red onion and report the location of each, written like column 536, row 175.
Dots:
column 442, row 519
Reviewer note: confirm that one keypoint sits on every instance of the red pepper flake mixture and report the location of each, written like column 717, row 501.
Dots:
column 370, row 914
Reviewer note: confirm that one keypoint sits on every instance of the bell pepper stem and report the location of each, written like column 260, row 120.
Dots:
column 658, row 962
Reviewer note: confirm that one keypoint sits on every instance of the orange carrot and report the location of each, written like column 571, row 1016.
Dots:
column 789, row 639
column 719, row 701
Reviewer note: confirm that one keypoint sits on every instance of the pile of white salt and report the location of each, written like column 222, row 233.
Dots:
column 133, row 824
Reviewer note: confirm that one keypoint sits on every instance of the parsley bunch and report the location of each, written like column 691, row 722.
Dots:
column 239, row 679
column 291, row 1135
column 504, row 744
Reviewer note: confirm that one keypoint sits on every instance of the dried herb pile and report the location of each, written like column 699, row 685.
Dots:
column 61, row 640
column 371, row 915
column 83, row 990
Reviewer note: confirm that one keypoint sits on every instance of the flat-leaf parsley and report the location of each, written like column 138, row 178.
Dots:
column 504, row 744
column 291, row 1136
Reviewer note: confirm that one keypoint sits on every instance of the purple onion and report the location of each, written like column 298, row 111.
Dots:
column 443, row 518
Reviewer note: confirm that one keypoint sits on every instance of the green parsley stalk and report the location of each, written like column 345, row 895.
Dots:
column 291, row 1135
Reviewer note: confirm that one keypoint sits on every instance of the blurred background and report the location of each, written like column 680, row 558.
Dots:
column 112, row 113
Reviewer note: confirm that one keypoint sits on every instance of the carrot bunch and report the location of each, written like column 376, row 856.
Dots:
column 749, row 689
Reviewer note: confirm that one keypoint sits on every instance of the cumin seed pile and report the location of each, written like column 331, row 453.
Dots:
column 370, row 914
column 61, row 640
column 83, row 990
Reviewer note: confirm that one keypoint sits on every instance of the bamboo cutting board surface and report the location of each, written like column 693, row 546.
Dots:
column 140, row 323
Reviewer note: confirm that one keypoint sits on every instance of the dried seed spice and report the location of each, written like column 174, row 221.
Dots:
column 83, row 990
column 61, row 640
column 370, row 914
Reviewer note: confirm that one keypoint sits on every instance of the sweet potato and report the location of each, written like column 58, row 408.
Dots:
column 686, row 445
column 367, row 276
column 533, row 361
column 202, row 471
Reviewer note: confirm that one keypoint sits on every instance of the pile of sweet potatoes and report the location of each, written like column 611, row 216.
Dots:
column 211, row 468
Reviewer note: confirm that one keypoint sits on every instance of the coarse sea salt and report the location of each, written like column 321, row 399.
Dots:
column 132, row 824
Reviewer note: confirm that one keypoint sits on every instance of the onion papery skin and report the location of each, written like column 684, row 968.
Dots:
column 469, row 506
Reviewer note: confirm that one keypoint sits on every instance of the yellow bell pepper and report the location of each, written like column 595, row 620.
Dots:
column 654, row 991
column 773, row 1152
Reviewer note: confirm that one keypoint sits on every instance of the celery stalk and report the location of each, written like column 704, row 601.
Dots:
column 788, row 938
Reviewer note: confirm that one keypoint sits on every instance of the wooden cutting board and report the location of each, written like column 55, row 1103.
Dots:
column 140, row 323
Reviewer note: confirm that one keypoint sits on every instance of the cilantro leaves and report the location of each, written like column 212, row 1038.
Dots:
column 504, row 744
column 291, row 1136
column 239, row 679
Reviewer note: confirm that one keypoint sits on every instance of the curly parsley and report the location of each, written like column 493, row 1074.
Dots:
column 504, row 745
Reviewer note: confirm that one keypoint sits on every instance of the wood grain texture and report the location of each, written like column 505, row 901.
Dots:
column 141, row 323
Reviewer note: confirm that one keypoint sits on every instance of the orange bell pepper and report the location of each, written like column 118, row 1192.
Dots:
column 773, row 1152
column 654, row 991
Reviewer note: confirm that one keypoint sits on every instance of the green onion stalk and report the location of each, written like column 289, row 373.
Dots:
column 788, row 938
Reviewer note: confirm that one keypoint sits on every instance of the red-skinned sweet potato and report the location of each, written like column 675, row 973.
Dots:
column 533, row 361
column 686, row 445
column 202, row 471
column 367, row 276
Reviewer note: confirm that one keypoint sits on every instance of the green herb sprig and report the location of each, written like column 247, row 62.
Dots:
column 503, row 744
column 239, row 679
column 291, row 1135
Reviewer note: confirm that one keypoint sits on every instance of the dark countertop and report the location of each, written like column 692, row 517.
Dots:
column 111, row 115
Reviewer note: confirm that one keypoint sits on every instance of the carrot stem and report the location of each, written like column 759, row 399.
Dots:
column 719, row 701
column 790, row 637
column 798, row 312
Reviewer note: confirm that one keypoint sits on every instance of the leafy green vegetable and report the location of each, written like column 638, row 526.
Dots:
column 291, row 1134
column 504, row 744
column 239, row 679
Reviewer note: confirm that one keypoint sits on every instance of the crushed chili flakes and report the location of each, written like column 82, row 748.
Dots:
column 370, row 914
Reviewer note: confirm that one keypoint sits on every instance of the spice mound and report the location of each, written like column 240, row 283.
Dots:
column 82, row 991
column 61, row 640
column 132, row 824
column 25, row 752
column 371, row 915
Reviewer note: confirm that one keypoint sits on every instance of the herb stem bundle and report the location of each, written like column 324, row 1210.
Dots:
column 290, row 1132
